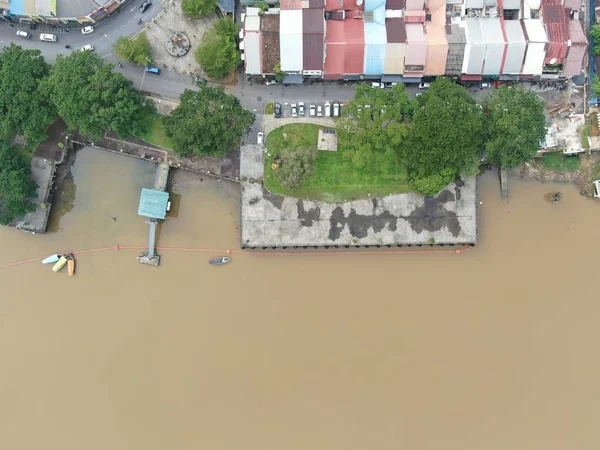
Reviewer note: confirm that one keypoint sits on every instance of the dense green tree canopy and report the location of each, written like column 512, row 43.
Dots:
column 595, row 35
column 198, row 8
column 516, row 124
column 446, row 135
column 297, row 164
column 17, row 190
column 91, row 97
column 208, row 122
column 374, row 125
column 25, row 108
column 218, row 53
column 137, row 50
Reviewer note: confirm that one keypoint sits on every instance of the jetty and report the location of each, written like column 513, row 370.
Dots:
column 154, row 204
column 504, row 182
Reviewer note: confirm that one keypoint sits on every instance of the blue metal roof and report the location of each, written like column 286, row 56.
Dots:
column 228, row 6
column 372, row 5
column 375, row 43
column 153, row 204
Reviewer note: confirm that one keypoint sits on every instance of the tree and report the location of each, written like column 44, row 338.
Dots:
column 296, row 165
column 516, row 125
column 198, row 8
column 446, row 135
column 432, row 184
column 26, row 109
column 374, row 125
column 137, row 50
column 595, row 85
column 218, row 53
column 279, row 74
column 91, row 97
column 17, row 190
column 595, row 35
column 208, row 122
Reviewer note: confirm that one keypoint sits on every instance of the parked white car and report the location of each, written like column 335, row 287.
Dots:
column 327, row 109
column 312, row 111
column 87, row 30
column 87, row 48
column 259, row 137
column 301, row 109
column 294, row 110
column 424, row 85
column 336, row 109
column 319, row 111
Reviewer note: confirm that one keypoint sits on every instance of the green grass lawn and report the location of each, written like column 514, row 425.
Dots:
column 156, row 134
column 334, row 178
column 556, row 161
column 269, row 108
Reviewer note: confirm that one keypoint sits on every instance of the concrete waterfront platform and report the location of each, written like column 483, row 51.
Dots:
column 270, row 220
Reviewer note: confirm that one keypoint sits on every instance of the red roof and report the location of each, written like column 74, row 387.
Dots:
column 335, row 32
column 334, row 61
column 556, row 20
column 336, row 5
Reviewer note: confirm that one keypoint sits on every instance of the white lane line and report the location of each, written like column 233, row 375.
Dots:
column 106, row 56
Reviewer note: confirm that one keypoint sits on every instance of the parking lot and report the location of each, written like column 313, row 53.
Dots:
column 326, row 108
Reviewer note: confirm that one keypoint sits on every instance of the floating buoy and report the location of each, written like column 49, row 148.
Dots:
column 457, row 250
column 116, row 247
column 228, row 251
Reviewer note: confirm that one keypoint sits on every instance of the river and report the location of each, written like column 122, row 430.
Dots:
column 493, row 348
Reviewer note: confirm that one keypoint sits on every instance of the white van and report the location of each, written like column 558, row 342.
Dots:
column 327, row 109
column 46, row 37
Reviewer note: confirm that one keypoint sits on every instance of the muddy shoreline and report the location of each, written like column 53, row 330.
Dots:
column 583, row 178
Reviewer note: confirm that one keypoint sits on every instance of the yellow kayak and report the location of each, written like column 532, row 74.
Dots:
column 60, row 264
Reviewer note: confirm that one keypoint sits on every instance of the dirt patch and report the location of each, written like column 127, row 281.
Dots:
column 583, row 178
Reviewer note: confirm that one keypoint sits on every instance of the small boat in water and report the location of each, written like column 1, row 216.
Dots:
column 219, row 261
column 60, row 264
column 71, row 264
column 51, row 259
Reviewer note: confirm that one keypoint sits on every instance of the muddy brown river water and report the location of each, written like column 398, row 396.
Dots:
column 495, row 348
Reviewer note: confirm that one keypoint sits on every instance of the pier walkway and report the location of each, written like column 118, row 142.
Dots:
column 154, row 205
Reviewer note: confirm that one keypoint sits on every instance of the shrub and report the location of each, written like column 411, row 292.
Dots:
column 296, row 165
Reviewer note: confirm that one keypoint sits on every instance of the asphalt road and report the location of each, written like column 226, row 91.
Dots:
column 170, row 84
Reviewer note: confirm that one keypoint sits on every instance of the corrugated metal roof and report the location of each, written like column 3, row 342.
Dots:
column 395, row 4
column 313, row 21
column 533, row 4
column 290, row 50
column 415, row 33
column 575, row 5
column 252, row 53
column 394, row 59
column 375, row 33
column 515, row 50
column 290, row 22
column 354, row 60
column 512, row 4
column 495, row 45
column 153, row 204
column 374, row 59
column 290, row 4
column 414, row 16
column 252, row 23
column 335, row 32
column 534, row 30
column 474, row 49
column 334, row 60
column 396, row 30
column 576, row 34
column 227, row 6
column 574, row 62
column 534, row 58
column 379, row 15
column 334, row 5
column 312, row 47
column 555, row 18
column 456, row 50
column 437, row 50
column 415, row 5
column 316, row 3
column 372, row 5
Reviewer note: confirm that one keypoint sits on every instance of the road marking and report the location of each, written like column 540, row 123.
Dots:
column 106, row 56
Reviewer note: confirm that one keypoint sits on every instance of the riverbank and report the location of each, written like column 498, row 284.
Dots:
column 583, row 178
